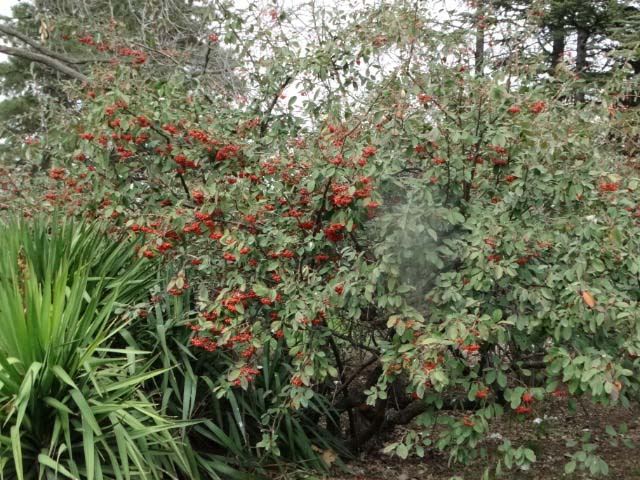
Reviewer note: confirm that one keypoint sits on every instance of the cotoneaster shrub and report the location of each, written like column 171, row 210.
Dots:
column 420, row 241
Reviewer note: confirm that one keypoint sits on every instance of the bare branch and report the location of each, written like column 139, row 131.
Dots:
column 44, row 60
column 267, row 115
column 12, row 32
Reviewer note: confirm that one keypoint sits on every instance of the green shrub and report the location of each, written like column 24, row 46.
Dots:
column 71, row 404
column 427, row 242
column 240, row 429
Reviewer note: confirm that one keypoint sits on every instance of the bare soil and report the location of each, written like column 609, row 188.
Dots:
column 547, row 431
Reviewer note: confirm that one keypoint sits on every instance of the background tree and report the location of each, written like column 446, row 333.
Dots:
column 581, row 35
column 49, row 42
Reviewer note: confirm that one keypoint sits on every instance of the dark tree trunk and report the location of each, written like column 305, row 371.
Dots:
column 581, row 58
column 581, row 50
column 479, row 52
column 557, row 52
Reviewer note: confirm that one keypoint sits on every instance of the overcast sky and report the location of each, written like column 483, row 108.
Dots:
column 5, row 9
column 5, row 6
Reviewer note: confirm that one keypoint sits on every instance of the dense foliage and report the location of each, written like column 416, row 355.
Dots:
column 383, row 224
column 72, row 406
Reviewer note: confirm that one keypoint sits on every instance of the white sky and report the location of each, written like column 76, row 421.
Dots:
column 5, row 6
column 5, row 9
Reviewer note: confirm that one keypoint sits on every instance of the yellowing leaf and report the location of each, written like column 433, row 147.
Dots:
column 588, row 299
column 329, row 457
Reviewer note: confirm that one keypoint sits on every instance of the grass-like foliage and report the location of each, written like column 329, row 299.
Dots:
column 240, row 434
column 70, row 405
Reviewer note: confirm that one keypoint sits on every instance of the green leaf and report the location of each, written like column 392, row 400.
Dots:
column 402, row 451
column 570, row 467
column 85, row 412
column 16, row 446
column 62, row 375
column 530, row 455
column 88, row 447
column 55, row 466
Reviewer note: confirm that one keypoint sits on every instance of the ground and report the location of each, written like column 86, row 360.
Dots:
column 548, row 438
